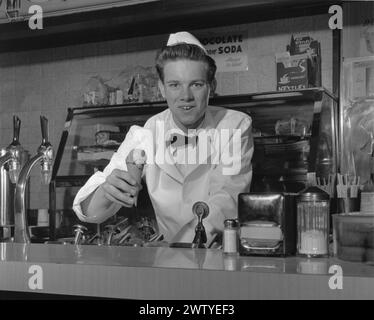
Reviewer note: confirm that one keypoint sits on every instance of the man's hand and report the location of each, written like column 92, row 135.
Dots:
column 119, row 187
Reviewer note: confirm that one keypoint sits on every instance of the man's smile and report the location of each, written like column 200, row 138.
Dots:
column 186, row 108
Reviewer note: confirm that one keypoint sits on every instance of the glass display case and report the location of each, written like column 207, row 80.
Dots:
column 294, row 133
column 357, row 119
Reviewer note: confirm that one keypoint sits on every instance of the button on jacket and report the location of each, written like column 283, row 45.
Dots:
column 174, row 188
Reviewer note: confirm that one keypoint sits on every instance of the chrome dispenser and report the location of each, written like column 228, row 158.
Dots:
column 13, row 153
column 45, row 156
column 267, row 224
column 14, row 156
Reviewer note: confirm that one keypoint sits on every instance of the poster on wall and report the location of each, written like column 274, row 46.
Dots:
column 229, row 50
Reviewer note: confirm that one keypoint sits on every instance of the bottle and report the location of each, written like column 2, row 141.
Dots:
column 230, row 237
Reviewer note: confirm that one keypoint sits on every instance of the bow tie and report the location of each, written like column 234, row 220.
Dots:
column 179, row 140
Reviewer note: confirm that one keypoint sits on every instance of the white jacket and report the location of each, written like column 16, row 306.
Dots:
column 172, row 193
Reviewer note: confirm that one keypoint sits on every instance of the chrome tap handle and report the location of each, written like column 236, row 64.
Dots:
column 79, row 231
column 15, row 149
column 46, row 152
column 44, row 127
column 16, row 130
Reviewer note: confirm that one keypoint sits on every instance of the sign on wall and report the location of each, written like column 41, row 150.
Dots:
column 229, row 50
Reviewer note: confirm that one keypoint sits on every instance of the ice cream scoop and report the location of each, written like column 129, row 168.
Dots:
column 135, row 163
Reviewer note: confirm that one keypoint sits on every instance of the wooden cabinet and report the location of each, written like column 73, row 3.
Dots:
column 151, row 18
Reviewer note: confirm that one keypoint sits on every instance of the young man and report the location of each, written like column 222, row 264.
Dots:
column 187, row 77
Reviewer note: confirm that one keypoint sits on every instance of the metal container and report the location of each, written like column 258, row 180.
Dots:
column 313, row 209
column 7, row 190
column 6, row 197
column 267, row 224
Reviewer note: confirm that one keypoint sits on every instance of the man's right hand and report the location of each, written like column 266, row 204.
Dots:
column 119, row 187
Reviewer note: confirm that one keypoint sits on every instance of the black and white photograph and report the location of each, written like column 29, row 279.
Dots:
column 186, row 156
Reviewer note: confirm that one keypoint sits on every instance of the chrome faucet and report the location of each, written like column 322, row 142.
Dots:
column 79, row 231
column 201, row 210
column 13, row 153
column 45, row 156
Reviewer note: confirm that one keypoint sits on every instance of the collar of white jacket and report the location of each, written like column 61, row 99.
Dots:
column 184, row 37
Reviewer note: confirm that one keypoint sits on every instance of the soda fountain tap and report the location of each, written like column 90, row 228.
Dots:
column 11, row 159
column 79, row 231
column 111, row 230
column 45, row 156
column 201, row 210
column 46, row 152
column 13, row 153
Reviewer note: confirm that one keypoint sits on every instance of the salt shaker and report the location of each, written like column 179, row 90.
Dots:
column 313, row 208
column 230, row 236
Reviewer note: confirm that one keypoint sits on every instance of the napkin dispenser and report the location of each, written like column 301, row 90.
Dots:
column 267, row 224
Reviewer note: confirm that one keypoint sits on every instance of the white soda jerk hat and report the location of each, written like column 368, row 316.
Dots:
column 184, row 37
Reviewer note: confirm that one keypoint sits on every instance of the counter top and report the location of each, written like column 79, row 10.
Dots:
column 175, row 273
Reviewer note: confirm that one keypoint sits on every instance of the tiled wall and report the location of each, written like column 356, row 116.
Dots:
column 49, row 81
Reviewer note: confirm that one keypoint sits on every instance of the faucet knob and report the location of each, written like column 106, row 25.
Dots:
column 201, row 210
column 16, row 130
column 44, row 127
column 79, row 230
column 15, row 150
column 46, row 151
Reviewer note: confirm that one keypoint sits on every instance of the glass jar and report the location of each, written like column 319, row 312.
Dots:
column 313, row 209
column 230, row 236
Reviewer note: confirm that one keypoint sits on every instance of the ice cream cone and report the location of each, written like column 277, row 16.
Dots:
column 135, row 163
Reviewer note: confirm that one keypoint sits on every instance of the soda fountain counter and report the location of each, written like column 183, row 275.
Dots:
column 294, row 134
column 175, row 274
